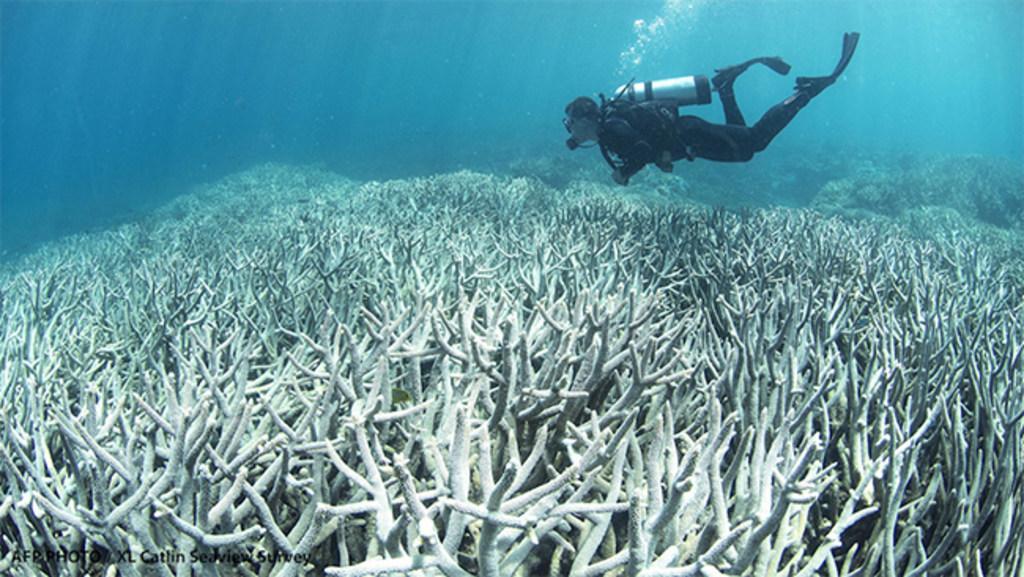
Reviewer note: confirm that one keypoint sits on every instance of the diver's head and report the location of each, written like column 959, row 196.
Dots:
column 582, row 118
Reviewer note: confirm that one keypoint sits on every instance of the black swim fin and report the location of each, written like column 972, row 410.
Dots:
column 850, row 40
column 726, row 76
column 813, row 85
column 776, row 63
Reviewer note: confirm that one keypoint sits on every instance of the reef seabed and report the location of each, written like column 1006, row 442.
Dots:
column 291, row 373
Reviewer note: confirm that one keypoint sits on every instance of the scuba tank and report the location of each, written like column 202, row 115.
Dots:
column 682, row 91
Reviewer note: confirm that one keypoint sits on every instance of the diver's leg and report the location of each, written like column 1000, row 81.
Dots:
column 722, row 142
column 724, row 78
column 775, row 119
column 778, row 116
column 732, row 110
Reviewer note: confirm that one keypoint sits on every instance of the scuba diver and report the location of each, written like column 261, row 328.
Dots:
column 641, row 125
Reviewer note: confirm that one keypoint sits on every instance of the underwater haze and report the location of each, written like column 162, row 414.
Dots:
column 110, row 108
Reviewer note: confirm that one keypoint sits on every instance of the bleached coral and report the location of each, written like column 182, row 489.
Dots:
column 985, row 189
column 468, row 375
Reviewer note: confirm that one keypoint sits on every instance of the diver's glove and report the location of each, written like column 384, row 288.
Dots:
column 664, row 161
column 620, row 178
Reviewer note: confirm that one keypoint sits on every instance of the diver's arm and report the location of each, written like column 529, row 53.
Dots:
column 628, row 144
column 637, row 158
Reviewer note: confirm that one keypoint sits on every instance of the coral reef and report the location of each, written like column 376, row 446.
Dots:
column 988, row 190
column 777, row 177
column 290, row 373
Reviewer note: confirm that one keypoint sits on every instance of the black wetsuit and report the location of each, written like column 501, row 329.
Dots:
column 637, row 134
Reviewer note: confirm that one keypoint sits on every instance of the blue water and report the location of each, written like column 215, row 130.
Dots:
column 110, row 107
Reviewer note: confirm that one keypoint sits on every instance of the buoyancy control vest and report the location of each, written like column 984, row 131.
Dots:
column 657, row 101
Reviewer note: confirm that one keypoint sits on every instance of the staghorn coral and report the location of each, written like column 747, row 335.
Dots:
column 468, row 375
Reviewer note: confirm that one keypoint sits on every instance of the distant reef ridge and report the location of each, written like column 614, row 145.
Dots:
column 990, row 191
